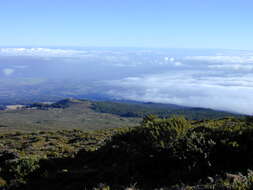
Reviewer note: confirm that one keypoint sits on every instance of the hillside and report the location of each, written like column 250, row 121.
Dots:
column 92, row 115
column 140, row 109
column 65, row 114
column 168, row 154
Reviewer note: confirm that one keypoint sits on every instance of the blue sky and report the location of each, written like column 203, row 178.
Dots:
column 132, row 23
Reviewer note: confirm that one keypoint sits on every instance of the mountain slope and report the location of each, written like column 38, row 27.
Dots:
column 66, row 114
column 140, row 109
column 93, row 115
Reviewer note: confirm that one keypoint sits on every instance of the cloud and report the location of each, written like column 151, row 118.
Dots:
column 191, row 88
column 166, row 58
column 221, row 81
column 172, row 61
column 8, row 71
column 245, row 67
column 20, row 66
column 228, row 61
column 223, row 58
column 177, row 63
column 109, row 57
column 42, row 52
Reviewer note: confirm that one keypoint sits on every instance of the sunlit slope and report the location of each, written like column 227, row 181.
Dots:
column 77, row 115
column 93, row 115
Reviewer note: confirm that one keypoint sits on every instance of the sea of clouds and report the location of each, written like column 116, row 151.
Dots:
column 217, row 79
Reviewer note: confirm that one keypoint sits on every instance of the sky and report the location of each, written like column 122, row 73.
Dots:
column 223, row 24
column 202, row 40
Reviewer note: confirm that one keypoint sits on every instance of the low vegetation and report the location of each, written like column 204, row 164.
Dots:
column 161, row 153
column 62, row 115
column 138, row 109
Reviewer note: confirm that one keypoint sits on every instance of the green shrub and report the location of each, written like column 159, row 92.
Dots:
column 20, row 169
column 2, row 182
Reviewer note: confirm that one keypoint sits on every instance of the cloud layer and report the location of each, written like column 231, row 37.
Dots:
column 223, row 82
column 232, row 93
column 42, row 52
column 220, row 80
column 223, row 58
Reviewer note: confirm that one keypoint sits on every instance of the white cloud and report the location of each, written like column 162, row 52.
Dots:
column 230, row 93
column 43, row 52
column 8, row 71
column 178, row 63
column 166, row 58
column 223, row 58
column 172, row 59
column 245, row 67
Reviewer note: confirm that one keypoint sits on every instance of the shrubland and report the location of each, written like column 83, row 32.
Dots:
column 141, row 109
column 160, row 153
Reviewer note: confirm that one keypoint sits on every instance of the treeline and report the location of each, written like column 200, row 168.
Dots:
column 161, row 110
column 65, row 103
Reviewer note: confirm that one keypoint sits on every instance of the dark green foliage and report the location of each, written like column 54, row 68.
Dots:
column 161, row 110
column 60, row 104
column 161, row 149
column 249, row 119
column 167, row 151
column 18, row 170
column 175, row 153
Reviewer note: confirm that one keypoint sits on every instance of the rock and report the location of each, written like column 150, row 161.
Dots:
column 232, row 177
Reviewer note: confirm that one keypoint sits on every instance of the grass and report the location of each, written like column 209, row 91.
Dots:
column 53, row 144
column 78, row 115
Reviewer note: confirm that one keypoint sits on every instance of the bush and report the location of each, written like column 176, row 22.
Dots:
column 151, row 151
column 20, row 169
column 2, row 182
column 158, row 153
column 170, row 150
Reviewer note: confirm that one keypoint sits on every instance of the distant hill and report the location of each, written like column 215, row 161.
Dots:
column 140, row 109
column 93, row 115
column 64, row 114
